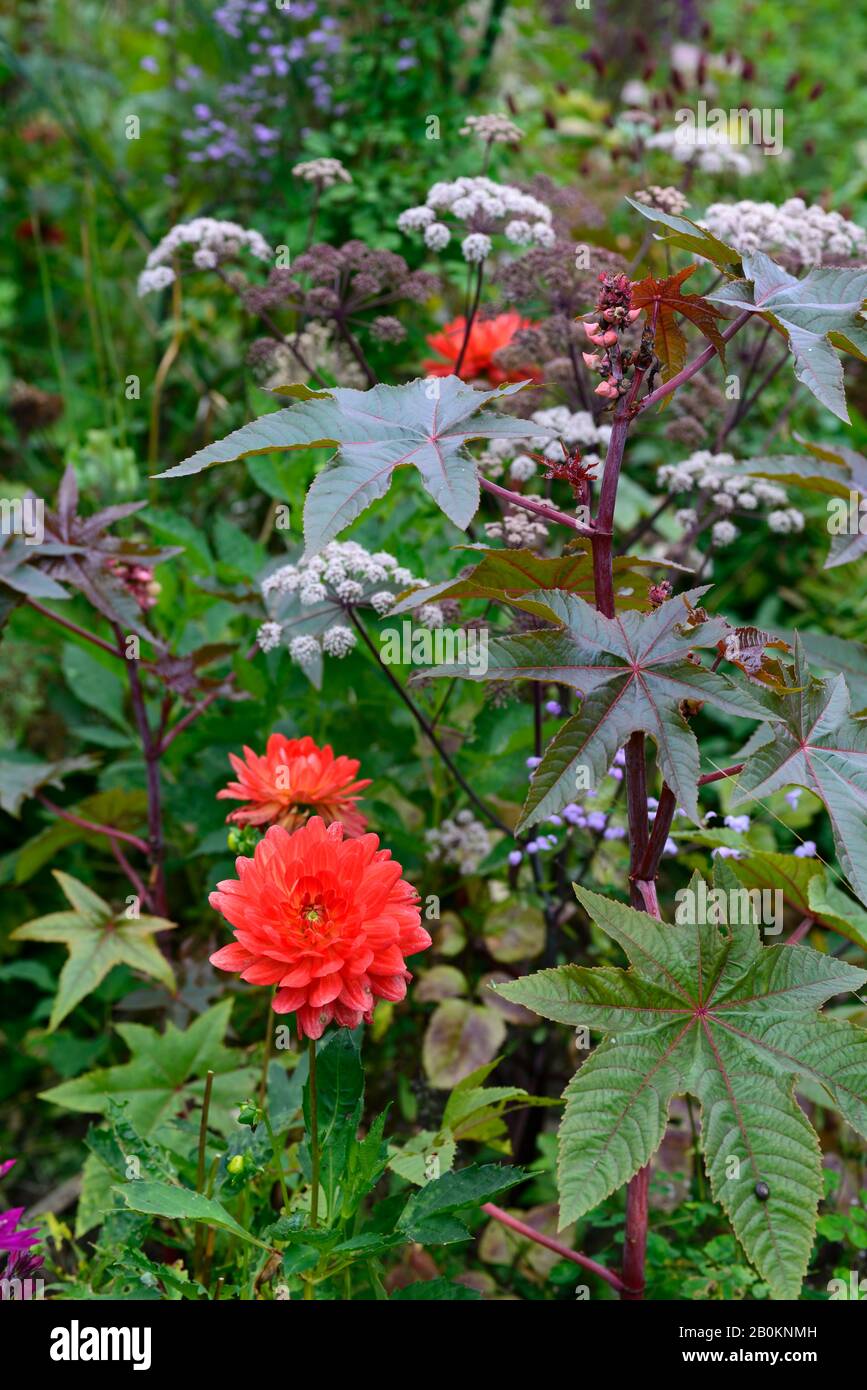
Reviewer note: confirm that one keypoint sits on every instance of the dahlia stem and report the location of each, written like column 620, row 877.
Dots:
column 266, row 1060
column 198, row 1261
column 278, row 1160
column 314, row 1140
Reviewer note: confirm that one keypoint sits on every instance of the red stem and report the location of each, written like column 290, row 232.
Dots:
column 635, row 1244
column 187, row 719
column 73, row 627
column 130, row 872
column 692, row 367
column 543, row 509
column 801, row 930
column 98, row 829
column 151, row 751
column 550, row 1244
column 721, row 772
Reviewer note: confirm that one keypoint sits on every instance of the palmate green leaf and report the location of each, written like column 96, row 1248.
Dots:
column 633, row 673
column 426, row 424
column 825, row 305
column 818, row 745
column 21, row 778
column 97, row 939
column 506, row 576
column 165, row 1073
column 709, row 1011
column 830, row 653
column 807, row 889
column 836, row 471
column 689, row 236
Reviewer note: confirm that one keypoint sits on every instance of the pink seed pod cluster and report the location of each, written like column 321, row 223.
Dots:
column 614, row 313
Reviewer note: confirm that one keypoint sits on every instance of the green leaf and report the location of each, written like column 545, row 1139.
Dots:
column 818, row 745
column 689, row 236
column 708, row 1011
column 22, row 777
column 505, row 576
column 166, row 1073
column 826, row 302
column 835, row 908
column 429, row 1215
column 179, row 1204
column 236, row 548
column 174, row 526
column 424, row 424
column 836, row 471
column 435, row 1290
column 97, row 939
column 832, row 653
column 459, row 1038
column 340, row 1099
column 633, row 673
column 121, row 807
column 94, row 684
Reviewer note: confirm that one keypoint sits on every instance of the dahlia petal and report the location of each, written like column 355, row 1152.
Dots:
column 392, row 987
column 286, row 1001
column 323, row 991
column 313, row 1022
column 264, row 972
column 231, row 957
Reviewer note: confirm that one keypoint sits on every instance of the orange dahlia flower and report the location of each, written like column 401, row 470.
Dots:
column 487, row 336
column 329, row 920
column 292, row 780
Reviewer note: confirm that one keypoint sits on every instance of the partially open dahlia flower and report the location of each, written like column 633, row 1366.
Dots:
column 293, row 780
column 329, row 920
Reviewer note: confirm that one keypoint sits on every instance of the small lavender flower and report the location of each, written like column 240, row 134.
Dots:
column 807, row 850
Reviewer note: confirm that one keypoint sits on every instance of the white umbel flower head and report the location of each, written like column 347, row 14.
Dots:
column 476, row 247
column 436, row 236
column 325, row 172
column 338, row 640
column 268, row 636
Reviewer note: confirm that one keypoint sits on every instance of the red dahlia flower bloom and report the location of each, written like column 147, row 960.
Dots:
column 329, row 920
column 487, row 336
column 292, row 780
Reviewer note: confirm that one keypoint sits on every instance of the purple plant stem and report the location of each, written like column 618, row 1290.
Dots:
column 801, row 930
column 649, row 866
column 130, row 872
column 692, row 367
column 543, row 509
column 73, row 627
column 151, row 751
column 186, row 720
column 550, row 1244
column 635, row 1244
column 98, row 829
